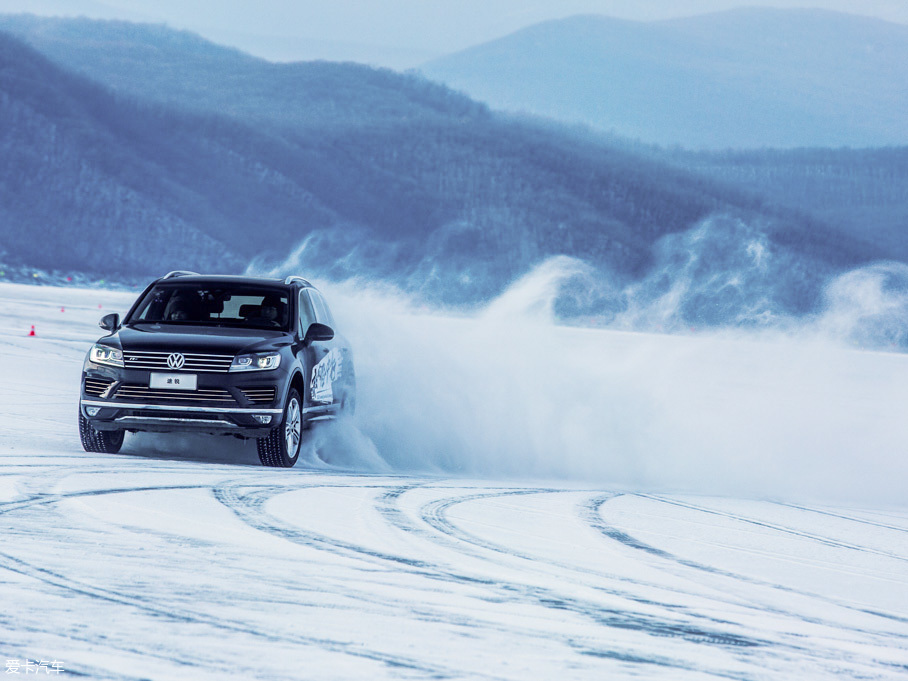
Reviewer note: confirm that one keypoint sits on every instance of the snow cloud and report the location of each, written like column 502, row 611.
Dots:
column 786, row 412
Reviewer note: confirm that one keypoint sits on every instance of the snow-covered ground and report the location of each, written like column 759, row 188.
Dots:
column 181, row 558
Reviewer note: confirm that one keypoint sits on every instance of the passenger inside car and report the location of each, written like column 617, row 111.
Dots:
column 182, row 308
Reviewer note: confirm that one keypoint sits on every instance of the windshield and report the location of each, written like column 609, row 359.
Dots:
column 222, row 305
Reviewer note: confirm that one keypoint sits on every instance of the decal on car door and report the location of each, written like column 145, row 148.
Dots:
column 324, row 374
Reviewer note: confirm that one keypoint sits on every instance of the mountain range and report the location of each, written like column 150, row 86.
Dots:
column 745, row 78
column 135, row 149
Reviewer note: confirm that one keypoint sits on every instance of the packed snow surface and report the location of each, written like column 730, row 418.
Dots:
column 512, row 501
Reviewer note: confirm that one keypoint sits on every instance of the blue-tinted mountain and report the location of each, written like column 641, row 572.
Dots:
column 859, row 192
column 452, row 204
column 184, row 71
column 739, row 79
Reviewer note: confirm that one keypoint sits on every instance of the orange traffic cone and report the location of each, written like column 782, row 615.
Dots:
column 32, row 332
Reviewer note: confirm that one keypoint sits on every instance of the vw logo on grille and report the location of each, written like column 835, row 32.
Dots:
column 176, row 360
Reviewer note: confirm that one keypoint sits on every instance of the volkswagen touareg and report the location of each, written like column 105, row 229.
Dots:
column 251, row 357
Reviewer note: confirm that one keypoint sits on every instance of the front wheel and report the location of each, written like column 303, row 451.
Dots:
column 281, row 447
column 100, row 441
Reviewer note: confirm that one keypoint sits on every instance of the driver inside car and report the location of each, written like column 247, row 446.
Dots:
column 181, row 308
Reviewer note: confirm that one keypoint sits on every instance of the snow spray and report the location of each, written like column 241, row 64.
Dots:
column 509, row 393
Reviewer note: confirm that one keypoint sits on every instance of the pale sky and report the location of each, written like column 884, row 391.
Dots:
column 395, row 33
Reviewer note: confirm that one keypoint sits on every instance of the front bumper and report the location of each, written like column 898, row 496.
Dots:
column 232, row 412
column 169, row 418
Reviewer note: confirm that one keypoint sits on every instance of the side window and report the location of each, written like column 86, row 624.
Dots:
column 322, row 313
column 307, row 316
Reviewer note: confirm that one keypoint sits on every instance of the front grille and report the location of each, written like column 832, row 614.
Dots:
column 143, row 392
column 259, row 395
column 196, row 362
column 97, row 387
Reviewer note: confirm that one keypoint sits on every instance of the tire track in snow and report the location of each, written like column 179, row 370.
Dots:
column 834, row 543
column 92, row 672
column 53, row 498
column 181, row 614
column 862, row 521
column 250, row 508
column 435, row 512
column 591, row 513
column 523, row 593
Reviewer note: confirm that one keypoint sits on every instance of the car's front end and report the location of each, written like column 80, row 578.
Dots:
column 221, row 355
column 197, row 354
column 175, row 389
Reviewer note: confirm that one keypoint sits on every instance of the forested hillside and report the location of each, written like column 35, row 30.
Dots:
column 452, row 204
column 184, row 71
column 861, row 192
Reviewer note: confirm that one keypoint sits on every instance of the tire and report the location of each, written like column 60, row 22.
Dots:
column 281, row 447
column 100, row 441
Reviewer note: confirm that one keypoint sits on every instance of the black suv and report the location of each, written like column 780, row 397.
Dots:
column 251, row 357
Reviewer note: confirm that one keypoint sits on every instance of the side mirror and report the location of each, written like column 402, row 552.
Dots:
column 318, row 332
column 110, row 322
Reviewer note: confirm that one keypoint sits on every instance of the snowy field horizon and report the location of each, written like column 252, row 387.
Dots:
column 508, row 390
column 530, row 501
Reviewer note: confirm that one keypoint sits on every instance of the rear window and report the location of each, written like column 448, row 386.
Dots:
column 201, row 305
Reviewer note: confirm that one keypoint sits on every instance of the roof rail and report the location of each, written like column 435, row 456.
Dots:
column 289, row 280
column 179, row 273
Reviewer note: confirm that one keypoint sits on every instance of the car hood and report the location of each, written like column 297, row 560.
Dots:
column 207, row 339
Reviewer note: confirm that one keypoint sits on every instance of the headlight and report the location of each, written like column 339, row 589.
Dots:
column 104, row 354
column 271, row 360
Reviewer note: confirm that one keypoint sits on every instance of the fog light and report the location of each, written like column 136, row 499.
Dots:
column 264, row 419
column 92, row 411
